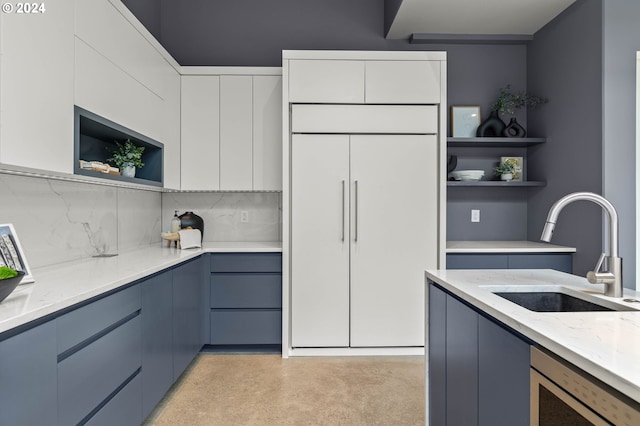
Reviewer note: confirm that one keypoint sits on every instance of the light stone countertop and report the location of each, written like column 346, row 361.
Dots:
column 604, row 344
column 64, row 285
column 470, row 247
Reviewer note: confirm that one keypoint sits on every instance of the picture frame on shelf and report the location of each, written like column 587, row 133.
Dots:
column 518, row 175
column 465, row 120
column 11, row 253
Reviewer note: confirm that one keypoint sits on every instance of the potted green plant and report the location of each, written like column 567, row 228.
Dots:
column 508, row 103
column 126, row 157
column 506, row 169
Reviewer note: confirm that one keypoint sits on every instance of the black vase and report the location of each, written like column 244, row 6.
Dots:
column 452, row 163
column 190, row 219
column 493, row 126
column 514, row 130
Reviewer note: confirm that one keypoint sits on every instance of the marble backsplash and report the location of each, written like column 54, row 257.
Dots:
column 59, row 221
column 221, row 212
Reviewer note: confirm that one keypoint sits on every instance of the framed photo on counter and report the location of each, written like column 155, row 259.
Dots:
column 464, row 121
column 11, row 253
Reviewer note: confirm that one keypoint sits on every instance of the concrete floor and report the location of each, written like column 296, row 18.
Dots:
column 258, row 389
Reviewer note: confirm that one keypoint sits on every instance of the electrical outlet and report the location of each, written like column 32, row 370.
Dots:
column 244, row 216
column 475, row 215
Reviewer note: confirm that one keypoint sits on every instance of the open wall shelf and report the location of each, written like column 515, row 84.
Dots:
column 494, row 142
column 93, row 134
column 496, row 183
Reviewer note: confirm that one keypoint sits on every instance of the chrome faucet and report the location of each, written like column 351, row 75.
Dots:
column 611, row 276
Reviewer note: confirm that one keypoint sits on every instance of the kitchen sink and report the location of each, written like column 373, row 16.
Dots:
column 559, row 300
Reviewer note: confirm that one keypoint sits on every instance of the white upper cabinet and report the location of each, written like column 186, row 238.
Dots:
column 364, row 81
column 36, row 86
column 236, row 132
column 200, row 152
column 267, row 133
column 326, row 81
column 122, row 75
column 242, row 144
column 402, row 82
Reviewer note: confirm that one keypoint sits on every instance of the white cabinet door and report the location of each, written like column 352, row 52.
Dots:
column 394, row 236
column 326, row 81
column 320, row 241
column 236, row 134
column 402, row 82
column 267, row 133
column 36, row 82
column 200, row 138
column 119, row 74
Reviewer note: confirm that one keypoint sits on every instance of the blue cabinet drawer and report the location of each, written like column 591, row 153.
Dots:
column 246, row 262
column 559, row 262
column 246, row 290
column 477, row 261
column 246, row 327
column 85, row 322
column 89, row 376
column 124, row 409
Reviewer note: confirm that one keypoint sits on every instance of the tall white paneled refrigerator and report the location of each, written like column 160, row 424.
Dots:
column 363, row 217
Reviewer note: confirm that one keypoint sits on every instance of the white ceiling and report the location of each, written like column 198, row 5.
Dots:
column 474, row 16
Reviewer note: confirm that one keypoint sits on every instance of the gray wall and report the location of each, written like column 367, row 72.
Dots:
column 565, row 62
column 621, row 41
column 475, row 75
column 254, row 32
column 147, row 12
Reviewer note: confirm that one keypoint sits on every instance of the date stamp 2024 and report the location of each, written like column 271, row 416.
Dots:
column 24, row 8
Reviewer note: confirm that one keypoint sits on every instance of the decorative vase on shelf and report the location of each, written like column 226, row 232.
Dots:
column 514, row 130
column 507, row 177
column 129, row 171
column 493, row 126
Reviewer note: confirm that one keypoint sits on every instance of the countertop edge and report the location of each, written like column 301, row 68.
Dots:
column 498, row 247
column 127, row 268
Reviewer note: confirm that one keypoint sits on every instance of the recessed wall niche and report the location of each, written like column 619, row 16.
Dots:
column 93, row 134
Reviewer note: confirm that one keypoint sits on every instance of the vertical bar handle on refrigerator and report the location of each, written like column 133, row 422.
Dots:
column 355, row 238
column 343, row 211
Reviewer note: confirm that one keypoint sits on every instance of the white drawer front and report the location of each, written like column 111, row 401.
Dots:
column 402, row 82
column 326, row 81
column 397, row 119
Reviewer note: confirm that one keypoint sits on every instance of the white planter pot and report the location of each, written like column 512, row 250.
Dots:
column 129, row 171
column 506, row 177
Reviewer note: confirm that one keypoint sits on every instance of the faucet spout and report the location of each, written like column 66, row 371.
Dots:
column 612, row 276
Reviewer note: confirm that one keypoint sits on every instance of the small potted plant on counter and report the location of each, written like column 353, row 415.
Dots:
column 127, row 157
column 506, row 169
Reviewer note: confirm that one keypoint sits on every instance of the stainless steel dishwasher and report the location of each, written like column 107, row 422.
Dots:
column 561, row 395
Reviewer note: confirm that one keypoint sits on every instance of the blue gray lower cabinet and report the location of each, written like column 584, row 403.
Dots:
column 29, row 377
column 246, row 299
column 99, row 354
column 559, row 261
column 188, row 292
column 108, row 361
column 479, row 366
column 157, row 340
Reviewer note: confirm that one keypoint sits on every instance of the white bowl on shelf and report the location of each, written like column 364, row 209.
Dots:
column 467, row 175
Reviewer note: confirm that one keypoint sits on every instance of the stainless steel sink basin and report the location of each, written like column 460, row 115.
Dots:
column 552, row 302
column 557, row 299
